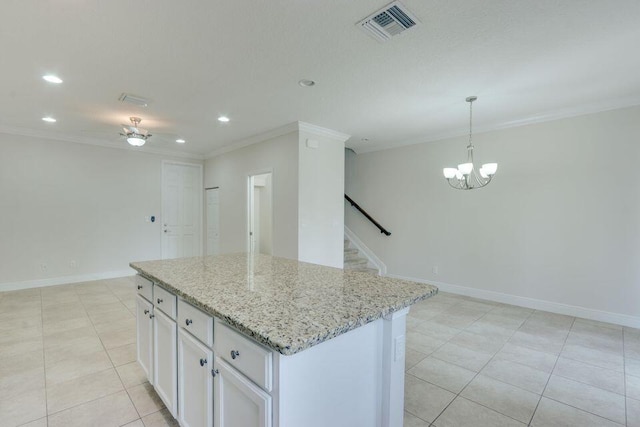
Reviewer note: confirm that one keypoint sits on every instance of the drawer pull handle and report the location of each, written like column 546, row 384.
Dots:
column 159, row 300
column 188, row 322
column 214, row 372
column 203, row 362
column 140, row 286
column 146, row 312
column 235, row 354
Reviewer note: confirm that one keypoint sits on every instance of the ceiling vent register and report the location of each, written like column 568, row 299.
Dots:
column 388, row 22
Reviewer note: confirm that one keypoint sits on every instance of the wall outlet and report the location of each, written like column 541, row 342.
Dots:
column 434, row 269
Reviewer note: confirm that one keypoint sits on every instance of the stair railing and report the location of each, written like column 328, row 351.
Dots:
column 363, row 212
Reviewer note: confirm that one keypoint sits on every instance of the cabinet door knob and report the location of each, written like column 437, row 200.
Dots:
column 159, row 300
column 188, row 322
column 235, row 354
column 140, row 286
column 214, row 372
column 146, row 312
column 151, row 316
column 203, row 362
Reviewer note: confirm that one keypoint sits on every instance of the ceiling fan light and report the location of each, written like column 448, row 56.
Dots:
column 490, row 168
column 136, row 141
column 483, row 173
column 449, row 172
column 465, row 168
column 459, row 174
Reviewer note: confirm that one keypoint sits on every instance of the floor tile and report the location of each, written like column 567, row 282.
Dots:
column 580, row 322
column 123, row 354
column 633, row 387
column 412, row 357
column 600, row 343
column 128, row 322
column 537, row 342
column 603, row 359
column 23, row 408
column 555, row 414
column 21, row 373
column 544, row 318
column 501, row 397
column 632, row 367
column 81, row 390
column 131, row 374
column 145, row 399
column 481, row 343
column 84, row 345
column 425, row 400
column 113, row 339
column 435, row 330
column 495, row 325
column 633, row 413
column 464, row 413
column 516, row 374
column 605, row 379
column 76, row 366
column 53, row 328
column 136, row 423
column 422, row 343
column 443, row 374
column 42, row 422
column 588, row 398
column 462, row 356
column 160, row 419
column 632, row 346
column 67, row 337
column 110, row 411
column 411, row 420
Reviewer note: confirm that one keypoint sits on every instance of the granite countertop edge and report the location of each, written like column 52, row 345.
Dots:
column 286, row 349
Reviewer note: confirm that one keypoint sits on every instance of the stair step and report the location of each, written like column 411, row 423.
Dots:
column 366, row 270
column 355, row 263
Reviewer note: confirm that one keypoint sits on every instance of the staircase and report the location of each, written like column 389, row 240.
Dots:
column 353, row 261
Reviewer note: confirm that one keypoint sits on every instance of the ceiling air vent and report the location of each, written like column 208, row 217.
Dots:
column 389, row 21
column 133, row 99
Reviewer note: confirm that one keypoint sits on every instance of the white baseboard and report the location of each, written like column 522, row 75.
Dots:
column 537, row 304
column 53, row 281
column 359, row 244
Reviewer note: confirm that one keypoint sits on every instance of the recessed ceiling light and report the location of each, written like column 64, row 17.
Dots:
column 306, row 83
column 49, row 119
column 52, row 79
column 180, row 141
column 223, row 119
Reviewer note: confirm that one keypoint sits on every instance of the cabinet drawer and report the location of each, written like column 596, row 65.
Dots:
column 244, row 354
column 165, row 301
column 144, row 287
column 198, row 323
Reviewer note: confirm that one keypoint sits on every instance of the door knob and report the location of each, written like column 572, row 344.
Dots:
column 203, row 362
column 146, row 312
column 166, row 231
column 235, row 354
column 188, row 321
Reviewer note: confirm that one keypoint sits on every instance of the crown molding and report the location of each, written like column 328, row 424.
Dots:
column 60, row 137
column 320, row 131
column 608, row 105
column 254, row 139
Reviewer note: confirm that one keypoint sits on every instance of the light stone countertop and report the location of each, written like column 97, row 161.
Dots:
column 284, row 304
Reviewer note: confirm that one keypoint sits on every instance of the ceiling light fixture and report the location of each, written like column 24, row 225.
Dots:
column 466, row 177
column 180, row 141
column 135, row 136
column 306, row 83
column 223, row 119
column 52, row 79
column 49, row 119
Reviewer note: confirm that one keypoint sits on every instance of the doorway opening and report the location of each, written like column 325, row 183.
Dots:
column 213, row 220
column 260, row 205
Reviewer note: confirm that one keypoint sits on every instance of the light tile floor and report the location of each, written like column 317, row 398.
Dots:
column 67, row 358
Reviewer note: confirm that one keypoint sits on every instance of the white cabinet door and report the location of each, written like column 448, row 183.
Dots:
column 238, row 401
column 165, row 362
column 144, row 335
column 195, row 391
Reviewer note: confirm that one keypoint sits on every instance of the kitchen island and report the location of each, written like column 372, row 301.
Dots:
column 254, row 340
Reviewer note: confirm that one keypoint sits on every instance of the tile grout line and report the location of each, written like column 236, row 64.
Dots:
column 551, row 374
column 624, row 374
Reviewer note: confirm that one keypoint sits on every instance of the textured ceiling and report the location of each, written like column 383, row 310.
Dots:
column 242, row 58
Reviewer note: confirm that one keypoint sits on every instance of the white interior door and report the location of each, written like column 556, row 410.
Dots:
column 260, row 214
column 213, row 221
column 181, row 210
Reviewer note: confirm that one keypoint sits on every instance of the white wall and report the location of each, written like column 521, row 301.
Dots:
column 321, row 195
column 230, row 171
column 558, row 228
column 62, row 202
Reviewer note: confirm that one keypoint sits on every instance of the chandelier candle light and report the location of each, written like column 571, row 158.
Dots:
column 466, row 176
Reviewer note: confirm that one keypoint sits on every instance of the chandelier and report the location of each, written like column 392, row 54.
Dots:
column 466, row 176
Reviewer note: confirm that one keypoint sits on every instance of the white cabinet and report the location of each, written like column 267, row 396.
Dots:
column 195, row 388
column 238, row 401
column 144, row 335
column 165, row 363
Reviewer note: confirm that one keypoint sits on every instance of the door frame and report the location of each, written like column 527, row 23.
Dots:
column 200, row 196
column 249, row 199
column 205, row 220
